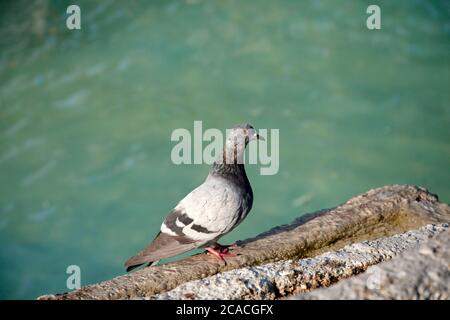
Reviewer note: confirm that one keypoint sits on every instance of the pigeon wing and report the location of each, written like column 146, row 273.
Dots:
column 209, row 211
column 163, row 246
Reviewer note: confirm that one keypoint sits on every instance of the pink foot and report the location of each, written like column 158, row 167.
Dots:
column 220, row 251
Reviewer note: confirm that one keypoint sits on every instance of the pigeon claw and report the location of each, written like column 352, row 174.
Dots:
column 219, row 254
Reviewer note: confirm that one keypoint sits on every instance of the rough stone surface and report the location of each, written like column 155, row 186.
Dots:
column 284, row 278
column 420, row 273
column 377, row 213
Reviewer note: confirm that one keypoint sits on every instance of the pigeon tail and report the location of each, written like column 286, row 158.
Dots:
column 150, row 264
column 164, row 246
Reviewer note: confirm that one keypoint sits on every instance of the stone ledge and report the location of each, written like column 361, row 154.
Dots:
column 377, row 213
column 285, row 278
column 421, row 273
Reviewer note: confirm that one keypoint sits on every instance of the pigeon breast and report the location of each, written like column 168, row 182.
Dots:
column 210, row 211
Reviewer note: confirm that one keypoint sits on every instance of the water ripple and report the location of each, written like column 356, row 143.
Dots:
column 38, row 174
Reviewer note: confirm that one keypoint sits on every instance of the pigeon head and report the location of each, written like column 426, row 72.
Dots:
column 243, row 132
column 237, row 139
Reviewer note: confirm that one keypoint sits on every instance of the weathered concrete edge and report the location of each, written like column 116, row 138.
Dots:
column 420, row 273
column 286, row 278
column 379, row 212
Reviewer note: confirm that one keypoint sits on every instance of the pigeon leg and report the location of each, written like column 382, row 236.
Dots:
column 220, row 254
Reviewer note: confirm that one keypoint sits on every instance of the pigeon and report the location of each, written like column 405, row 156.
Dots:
column 210, row 211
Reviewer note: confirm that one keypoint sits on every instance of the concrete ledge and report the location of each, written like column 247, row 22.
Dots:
column 378, row 213
column 419, row 273
column 286, row 278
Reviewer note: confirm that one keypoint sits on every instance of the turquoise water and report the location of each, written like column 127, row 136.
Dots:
column 86, row 117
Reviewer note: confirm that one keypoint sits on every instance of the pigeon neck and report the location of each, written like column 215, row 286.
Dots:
column 224, row 168
column 231, row 167
column 231, row 172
